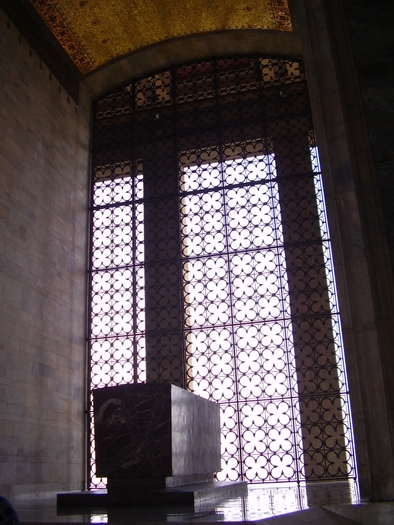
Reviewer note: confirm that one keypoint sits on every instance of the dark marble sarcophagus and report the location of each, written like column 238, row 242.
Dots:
column 155, row 435
column 158, row 446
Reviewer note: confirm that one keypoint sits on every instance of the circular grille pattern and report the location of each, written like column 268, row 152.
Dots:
column 211, row 261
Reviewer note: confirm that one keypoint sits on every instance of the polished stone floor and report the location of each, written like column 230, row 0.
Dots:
column 323, row 503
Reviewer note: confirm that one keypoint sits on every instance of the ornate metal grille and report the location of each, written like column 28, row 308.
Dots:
column 211, row 264
column 238, row 329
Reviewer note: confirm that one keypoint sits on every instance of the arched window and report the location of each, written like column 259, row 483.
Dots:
column 211, row 263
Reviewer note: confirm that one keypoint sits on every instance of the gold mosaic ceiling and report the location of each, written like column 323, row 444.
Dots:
column 94, row 32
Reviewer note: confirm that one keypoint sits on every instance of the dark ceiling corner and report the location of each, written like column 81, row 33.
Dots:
column 23, row 15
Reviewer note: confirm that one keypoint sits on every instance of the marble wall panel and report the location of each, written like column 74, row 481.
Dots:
column 44, row 173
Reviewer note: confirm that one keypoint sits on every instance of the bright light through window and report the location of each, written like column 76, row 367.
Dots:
column 211, row 264
column 117, row 287
column 238, row 330
column 237, row 313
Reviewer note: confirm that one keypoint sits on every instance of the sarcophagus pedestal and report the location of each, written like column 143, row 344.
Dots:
column 157, row 445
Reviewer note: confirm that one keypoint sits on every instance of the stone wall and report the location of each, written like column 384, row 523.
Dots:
column 354, row 202
column 44, row 155
column 370, row 26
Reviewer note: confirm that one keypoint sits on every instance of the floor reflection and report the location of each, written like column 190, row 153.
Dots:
column 262, row 502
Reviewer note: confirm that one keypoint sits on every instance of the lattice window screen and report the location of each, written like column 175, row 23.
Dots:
column 211, row 263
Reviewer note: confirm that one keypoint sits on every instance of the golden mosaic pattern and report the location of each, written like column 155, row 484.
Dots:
column 94, row 32
column 282, row 15
column 64, row 35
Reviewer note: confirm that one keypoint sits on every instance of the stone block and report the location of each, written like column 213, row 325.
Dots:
column 155, row 431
